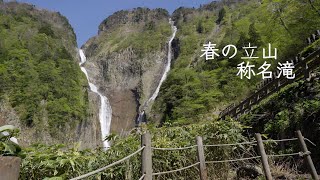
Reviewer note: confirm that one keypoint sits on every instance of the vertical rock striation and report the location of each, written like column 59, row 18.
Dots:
column 127, row 59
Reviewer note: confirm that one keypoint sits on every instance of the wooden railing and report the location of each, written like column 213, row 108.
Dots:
column 303, row 65
column 146, row 151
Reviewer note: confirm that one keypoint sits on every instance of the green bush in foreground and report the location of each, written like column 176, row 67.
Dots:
column 55, row 161
column 7, row 147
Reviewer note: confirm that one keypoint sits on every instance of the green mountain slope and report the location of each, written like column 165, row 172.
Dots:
column 42, row 88
column 197, row 89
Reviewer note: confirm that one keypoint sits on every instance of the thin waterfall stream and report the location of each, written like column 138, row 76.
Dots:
column 164, row 75
column 105, row 111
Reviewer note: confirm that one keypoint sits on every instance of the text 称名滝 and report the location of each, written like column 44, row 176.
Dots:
column 246, row 69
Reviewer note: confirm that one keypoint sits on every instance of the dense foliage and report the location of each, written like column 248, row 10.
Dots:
column 39, row 75
column 7, row 147
column 56, row 161
column 295, row 107
column 196, row 87
column 142, row 30
column 41, row 80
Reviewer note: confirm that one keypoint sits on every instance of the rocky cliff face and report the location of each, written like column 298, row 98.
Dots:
column 126, row 60
column 87, row 132
column 43, row 92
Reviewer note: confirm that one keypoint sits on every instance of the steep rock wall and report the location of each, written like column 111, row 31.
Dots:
column 123, row 65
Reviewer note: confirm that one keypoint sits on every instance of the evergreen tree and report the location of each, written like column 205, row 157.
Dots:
column 254, row 37
column 243, row 40
column 200, row 27
column 221, row 15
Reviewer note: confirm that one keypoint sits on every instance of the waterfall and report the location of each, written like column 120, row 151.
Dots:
column 141, row 117
column 105, row 112
column 168, row 65
column 165, row 73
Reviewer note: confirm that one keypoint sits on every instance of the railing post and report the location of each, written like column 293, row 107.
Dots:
column 306, row 71
column 307, row 156
column 264, row 157
column 201, row 158
column 9, row 167
column 146, row 156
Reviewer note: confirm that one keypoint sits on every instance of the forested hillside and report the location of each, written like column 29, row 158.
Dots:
column 44, row 93
column 197, row 89
column 42, row 89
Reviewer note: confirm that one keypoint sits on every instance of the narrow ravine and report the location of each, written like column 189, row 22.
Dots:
column 105, row 112
column 165, row 73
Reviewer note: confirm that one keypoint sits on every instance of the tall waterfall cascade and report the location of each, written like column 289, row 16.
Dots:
column 165, row 73
column 105, row 111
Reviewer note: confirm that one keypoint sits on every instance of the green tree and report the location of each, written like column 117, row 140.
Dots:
column 46, row 29
column 221, row 15
column 254, row 37
column 243, row 40
column 200, row 27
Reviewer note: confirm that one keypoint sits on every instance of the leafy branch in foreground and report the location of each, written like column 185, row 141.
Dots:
column 7, row 147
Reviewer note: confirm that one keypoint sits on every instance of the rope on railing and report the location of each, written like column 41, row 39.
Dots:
column 172, row 149
column 233, row 160
column 310, row 142
column 235, row 144
column 110, row 165
column 142, row 177
column 207, row 162
column 181, row 169
column 283, row 155
column 292, row 139
column 256, row 157
column 280, row 140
